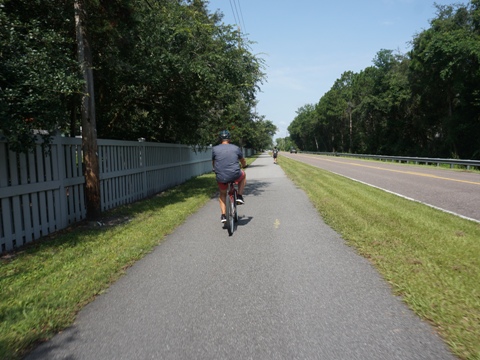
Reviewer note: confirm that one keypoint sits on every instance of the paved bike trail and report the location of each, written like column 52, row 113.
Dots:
column 284, row 286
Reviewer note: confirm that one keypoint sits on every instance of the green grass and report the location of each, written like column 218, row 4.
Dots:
column 430, row 258
column 44, row 285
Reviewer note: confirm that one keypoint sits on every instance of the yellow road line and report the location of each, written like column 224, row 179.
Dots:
column 391, row 170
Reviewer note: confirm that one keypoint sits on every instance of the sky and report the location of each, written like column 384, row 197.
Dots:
column 308, row 44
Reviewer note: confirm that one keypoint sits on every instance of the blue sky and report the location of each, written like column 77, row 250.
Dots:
column 308, row 44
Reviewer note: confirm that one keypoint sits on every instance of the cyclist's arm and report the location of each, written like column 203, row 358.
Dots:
column 243, row 162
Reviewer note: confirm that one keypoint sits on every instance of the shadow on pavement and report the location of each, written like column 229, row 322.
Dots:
column 44, row 350
column 244, row 220
column 254, row 165
column 255, row 187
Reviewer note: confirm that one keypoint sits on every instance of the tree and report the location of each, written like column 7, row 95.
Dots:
column 445, row 78
column 264, row 132
column 343, row 88
column 424, row 103
column 38, row 72
column 167, row 71
column 299, row 127
column 187, row 77
column 401, row 138
column 89, row 125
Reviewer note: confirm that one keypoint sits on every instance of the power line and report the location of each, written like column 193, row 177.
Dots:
column 237, row 14
column 233, row 11
column 241, row 16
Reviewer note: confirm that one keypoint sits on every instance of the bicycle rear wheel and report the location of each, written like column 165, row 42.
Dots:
column 230, row 215
column 235, row 216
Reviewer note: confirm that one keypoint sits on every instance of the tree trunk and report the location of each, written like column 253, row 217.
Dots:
column 89, row 126
column 73, row 115
column 351, row 131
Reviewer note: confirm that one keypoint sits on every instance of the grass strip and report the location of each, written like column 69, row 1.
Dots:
column 430, row 258
column 44, row 285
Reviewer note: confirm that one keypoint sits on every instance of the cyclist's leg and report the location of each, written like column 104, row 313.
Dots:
column 241, row 183
column 222, row 198
column 223, row 195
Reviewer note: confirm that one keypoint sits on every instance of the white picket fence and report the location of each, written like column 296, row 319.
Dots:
column 43, row 191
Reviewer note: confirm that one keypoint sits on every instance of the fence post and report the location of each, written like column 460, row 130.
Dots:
column 59, row 173
column 143, row 166
column 6, row 220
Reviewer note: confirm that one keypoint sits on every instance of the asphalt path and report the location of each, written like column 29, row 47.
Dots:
column 284, row 286
column 457, row 192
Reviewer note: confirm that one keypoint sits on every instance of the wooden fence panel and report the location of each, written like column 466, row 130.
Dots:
column 34, row 202
column 44, row 191
column 6, row 231
column 25, row 170
column 121, row 176
column 72, row 190
column 15, row 200
column 34, row 188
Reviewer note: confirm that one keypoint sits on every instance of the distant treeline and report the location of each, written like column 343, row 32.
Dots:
column 423, row 103
column 164, row 70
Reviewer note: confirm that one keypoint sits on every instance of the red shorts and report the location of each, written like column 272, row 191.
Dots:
column 224, row 186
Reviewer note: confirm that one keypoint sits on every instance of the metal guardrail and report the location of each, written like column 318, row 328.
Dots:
column 468, row 164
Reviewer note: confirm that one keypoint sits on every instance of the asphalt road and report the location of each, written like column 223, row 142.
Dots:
column 457, row 192
column 284, row 286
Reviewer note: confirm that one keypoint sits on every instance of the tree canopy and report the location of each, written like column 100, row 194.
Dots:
column 423, row 103
column 164, row 70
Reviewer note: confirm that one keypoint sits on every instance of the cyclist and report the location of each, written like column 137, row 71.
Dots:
column 275, row 154
column 225, row 158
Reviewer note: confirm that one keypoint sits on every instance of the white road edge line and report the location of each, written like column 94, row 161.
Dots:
column 408, row 198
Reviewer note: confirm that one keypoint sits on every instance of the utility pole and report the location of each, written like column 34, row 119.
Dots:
column 89, row 125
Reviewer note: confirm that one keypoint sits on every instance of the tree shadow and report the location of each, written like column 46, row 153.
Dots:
column 256, row 187
column 43, row 349
column 255, row 165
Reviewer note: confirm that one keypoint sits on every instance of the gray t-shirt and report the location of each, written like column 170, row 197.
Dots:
column 226, row 157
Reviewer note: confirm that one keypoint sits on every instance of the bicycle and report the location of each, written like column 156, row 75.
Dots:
column 231, row 207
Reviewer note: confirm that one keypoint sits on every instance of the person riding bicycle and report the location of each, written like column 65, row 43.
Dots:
column 225, row 162
column 275, row 154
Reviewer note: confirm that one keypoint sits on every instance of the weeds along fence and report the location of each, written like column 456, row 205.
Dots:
column 43, row 191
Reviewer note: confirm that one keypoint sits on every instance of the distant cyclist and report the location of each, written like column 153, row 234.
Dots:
column 275, row 154
column 225, row 161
